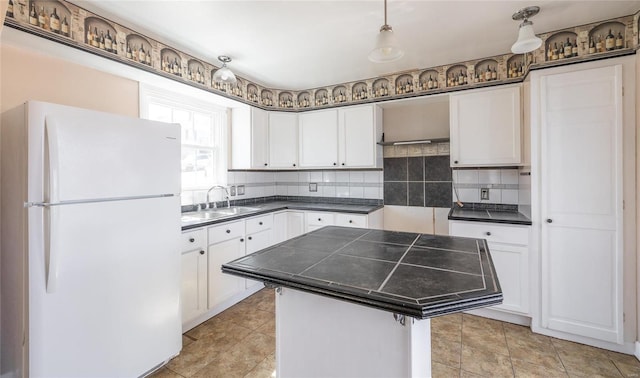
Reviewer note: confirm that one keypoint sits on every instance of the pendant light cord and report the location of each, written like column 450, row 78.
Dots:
column 385, row 12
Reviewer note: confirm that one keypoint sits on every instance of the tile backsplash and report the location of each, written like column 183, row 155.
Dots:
column 423, row 181
column 481, row 185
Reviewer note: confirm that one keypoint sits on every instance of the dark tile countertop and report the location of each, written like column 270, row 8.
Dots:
column 488, row 215
column 418, row 275
column 272, row 206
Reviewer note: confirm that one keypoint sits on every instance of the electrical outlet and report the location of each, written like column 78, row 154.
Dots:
column 484, row 194
column 313, row 186
column 232, row 191
column 240, row 190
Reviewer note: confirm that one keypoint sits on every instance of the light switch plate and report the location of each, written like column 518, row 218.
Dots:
column 313, row 187
column 484, row 194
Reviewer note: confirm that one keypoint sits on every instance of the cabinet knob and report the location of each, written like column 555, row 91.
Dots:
column 549, row 220
column 265, row 164
column 250, row 238
column 294, row 164
column 192, row 240
column 241, row 240
column 488, row 233
column 202, row 252
column 342, row 163
column 260, row 223
column 335, row 163
column 455, row 162
column 350, row 221
column 228, row 231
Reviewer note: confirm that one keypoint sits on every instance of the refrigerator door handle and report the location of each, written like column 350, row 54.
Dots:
column 51, row 160
column 51, row 248
column 51, row 196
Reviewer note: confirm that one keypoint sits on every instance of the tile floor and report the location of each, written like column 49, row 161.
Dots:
column 240, row 342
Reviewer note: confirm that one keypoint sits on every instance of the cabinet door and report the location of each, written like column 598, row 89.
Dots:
column 295, row 224
column 318, row 139
column 283, row 140
column 512, row 267
column 259, row 138
column 581, row 202
column 357, row 136
column 486, row 127
column 224, row 286
column 194, row 284
column 255, row 242
column 319, row 220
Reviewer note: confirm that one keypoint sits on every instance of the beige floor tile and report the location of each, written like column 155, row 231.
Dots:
column 268, row 328
column 165, row 373
column 624, row 358
column 267, row 304
column 527, row 346
column 468, row 374
column 449, row 330
column 186, row 340
column 570, row 347
column 443, row 371
column 203, row 330
column 199, row 353
column 446, row 352
column 239, row 361
column 627, row 370
column 488, row 339
column 246, row 315
column 482, row 323
column 265, row 369
column 486, row 363
column 582, row 364
column 528, row 369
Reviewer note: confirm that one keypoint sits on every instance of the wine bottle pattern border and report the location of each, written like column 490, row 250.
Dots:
column 74, row 26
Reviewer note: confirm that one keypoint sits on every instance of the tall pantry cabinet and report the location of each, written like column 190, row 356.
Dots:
column 583, row 202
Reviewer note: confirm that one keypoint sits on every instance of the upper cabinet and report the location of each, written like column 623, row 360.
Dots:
column 250, row 138
column 318, row 139
column 486, row 127
column 283, row 140
column 341, row 138
column 359, row 128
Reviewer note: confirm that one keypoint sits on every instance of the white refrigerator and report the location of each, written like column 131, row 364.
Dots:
column 90, row 256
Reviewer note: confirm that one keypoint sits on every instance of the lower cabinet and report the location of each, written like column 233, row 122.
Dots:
column 509, row 248
column 194, row 274
column 316, row 220
column 226, row 243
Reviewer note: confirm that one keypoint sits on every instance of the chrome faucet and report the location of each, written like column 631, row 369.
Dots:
column 226, row 190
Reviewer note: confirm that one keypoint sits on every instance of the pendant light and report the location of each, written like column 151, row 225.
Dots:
column 224, row 74
column 527, row 40
column 386, row 49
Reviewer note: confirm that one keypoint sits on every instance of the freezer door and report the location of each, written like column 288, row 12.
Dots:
column 91, row 155
column 104, row 289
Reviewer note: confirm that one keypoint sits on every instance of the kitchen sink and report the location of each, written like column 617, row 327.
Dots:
column 209, row 214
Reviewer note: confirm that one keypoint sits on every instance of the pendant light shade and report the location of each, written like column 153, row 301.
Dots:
column 224, row 74
column 386, row 48
column 527, row 40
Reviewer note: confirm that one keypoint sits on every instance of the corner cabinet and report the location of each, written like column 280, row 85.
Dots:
column 249, row 138
column 509, row 248
column 486, row 127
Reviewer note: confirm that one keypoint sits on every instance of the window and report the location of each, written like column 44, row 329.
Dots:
column 204, row 138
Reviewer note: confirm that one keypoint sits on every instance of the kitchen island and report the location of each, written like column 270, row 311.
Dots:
column 357, row 302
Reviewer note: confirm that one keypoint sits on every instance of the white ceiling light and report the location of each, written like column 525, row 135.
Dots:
column 224, row 74
column 387, row 49
column 527, row 40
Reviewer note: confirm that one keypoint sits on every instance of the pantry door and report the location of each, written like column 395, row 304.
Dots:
column 581, row 202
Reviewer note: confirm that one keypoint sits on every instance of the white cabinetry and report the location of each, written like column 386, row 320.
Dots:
column 226, row 243
column 259, row 235
column 351, row 220
column 318, row 138
column 319, row 219
column 316, row 220
column 581, row 199
column 359, row 128
column 509, row 249
column 249, row 138
column 194, row 274
column 486, row 127
column 283, row 140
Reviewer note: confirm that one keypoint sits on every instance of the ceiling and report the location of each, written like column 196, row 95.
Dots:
column 296, row 44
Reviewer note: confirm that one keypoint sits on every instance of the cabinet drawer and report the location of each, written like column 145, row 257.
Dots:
column 191, row 240
column 320, row 219
column 510, row 234
column 226, row 231
column 258, row 224
column 351, row 220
